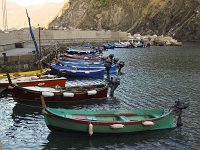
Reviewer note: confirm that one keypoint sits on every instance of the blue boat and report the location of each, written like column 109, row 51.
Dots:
column 81, row 60
column 108, row 46
column 81, row 66
column 84, row 63
column 76, row 72
column 83, row 56
column 86, row 49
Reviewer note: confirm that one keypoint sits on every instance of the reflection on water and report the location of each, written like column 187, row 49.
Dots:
column 152, row 77
column 77, row 140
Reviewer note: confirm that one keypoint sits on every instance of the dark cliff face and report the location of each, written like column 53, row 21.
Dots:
column 178, row 18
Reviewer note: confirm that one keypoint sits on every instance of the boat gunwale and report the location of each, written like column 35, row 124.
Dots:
column 61, row 101
column 35, row 80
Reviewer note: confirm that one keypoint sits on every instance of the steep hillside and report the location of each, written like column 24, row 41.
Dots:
column 178, row 18
column 40, row 14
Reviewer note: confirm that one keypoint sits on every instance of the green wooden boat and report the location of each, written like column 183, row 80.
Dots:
column 109, row 121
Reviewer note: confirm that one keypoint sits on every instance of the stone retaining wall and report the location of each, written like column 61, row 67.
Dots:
column 17, row 63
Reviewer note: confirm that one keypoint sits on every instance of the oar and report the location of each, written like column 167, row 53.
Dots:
column 43, row 103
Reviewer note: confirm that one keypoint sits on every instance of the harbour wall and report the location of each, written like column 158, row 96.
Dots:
column 50, row 40
column 13, row 39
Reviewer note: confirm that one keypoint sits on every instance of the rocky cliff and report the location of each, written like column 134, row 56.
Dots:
column 177, row 18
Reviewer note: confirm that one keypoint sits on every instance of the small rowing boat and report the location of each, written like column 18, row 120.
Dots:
column 111, row 121
column 59, row 94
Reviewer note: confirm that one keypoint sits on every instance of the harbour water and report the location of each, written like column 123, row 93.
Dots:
column 152, row 78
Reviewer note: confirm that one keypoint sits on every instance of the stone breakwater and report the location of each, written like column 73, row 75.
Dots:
column 155, row 40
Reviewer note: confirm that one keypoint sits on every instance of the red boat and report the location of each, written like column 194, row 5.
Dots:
column 84, row 57
column 46, row 81
column 59, row 94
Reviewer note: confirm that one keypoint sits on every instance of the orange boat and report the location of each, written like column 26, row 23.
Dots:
column 45, row 81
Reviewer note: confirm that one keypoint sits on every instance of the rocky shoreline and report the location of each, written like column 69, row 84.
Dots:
column 155, row 40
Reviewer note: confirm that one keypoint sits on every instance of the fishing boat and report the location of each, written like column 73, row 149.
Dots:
column 27, row 73
column 81, row 60
column 59, row 94
column 66, row 62
column 44, row 80
column 108, row 46
column 112, row 70
column 76, row 72
column 111, row 121
column 79, row 64
column 84, row 57
column 82, row 50
column 83, row 67
column 122, row 45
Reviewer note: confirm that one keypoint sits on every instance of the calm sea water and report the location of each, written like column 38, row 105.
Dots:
column 153, row 78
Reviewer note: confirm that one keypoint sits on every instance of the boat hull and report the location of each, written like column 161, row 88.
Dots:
column 76, row 72
column 79, row 57
column 44, row 83
column 82, row 60
column 80, row 66
column 27, row 95
column 92, row 73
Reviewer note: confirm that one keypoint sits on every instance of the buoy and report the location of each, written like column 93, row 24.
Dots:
column 34, row 78
column 61, row 69
column 96, row 63
column 92, row 92
column 47, row 94
column 50, row 76
column 87, row 72
column 90, row 129
column 117, row 126
column 67, row 94
column 148, row 123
